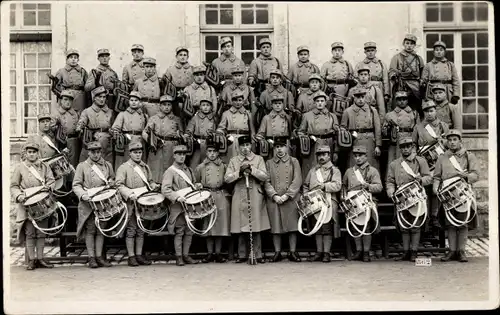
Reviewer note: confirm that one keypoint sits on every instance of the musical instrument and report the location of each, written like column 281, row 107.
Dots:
column 359, row 207
column 431, row 153
column 199, row 204
column 457, row 198
column 41, row 205
column 410, row 199
column 309, row 204
column 106, row 205
column 61, row 167
column 150, row 206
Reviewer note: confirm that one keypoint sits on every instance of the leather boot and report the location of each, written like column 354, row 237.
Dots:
column 461, row 256
column 219, row 258
column 209, row 258
column 317, row 257
column 93, row 263
column 189, row 261
column 241, row 260
column 132, row 261
column 42, row 263
column 326, row 257
column 31, row 265
column 103, row 262
column 413, row 255
column 357, row 255
column 143, row 260
column 261, row 260
column 450, row 256
column 405, row 257
column 293, row 256
column 277, row 257
column 366, row 257
column 179, row 261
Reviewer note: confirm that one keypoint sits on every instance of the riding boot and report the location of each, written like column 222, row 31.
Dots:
column 132, row 261
column 450, row 256
column 405, row 256
column 317, row 257
column 277, row 257
column 326, row 257
column 414, row 255
column 179, row 261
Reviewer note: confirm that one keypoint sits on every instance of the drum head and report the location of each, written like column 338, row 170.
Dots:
column 36, row 198
column 360, row 219
column 59, row 183
column 405, row 186
column 352, row 193
column 423, row 149
column 32, row 190
column 150, row 199
column 106, row 194
column 419, row 209
column 450, row 181
column 197, row 196
column 184, row 191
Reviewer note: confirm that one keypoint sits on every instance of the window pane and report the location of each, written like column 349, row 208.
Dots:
column 469, row 89
column 211, row 6
column 247, row 42
column 482, row 56
column 482, row 106
column 447, row 12
column 226, row 6
column 43, row 17
column 430, row 39
column 469, row 122
column 247, row 5
column 211, row 56
column 247, row 57
column 469, row 57
column 30, row 61
column 44, row 108
column 42, row 77
column 30, row 110
column 482, row 39
column 468, row 40
column 261, row 5
column 482, row 73
column 29, row 18
column 13, row 77
column 483, row 122
column 13, row 95
column 469, row 106
column 211, row 17
column 482, row 12
column 262, row 16
column 13, row 110
column 29, row 6
column 226, row 17
column 43, row 60
column 448, row 40
column 469, row 73
column 30, row 94
column 483, row 89
column 211, row 43
column 450, row 55
column 430, row 55
column 468, row 12
column 247, row 16
column 30, row 126
column 13, row 125
column 12, row 17
column 30, row 77
column 44, row 6
column 432, row 13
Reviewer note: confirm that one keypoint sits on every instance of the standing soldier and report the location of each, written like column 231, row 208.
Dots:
column 148, row 86
column 364, row 124
column 398, row 123
column 199, row 90
column 128, row 126
column 248, row 208
column 374, row 97
column 337, row 72
column 282, row 190
column 300, row 72
column 131, row 175
column 227, row 61
column 326, row 177
column 446, row 112
column 362, row 176
column 456, row 162
column 162, row 133
column 405, row 72
column 45, row 138
column 441, row 70
column 237, row 83
column 210, row 173
column 104, row 76
column 95, row 123
column 31, row 173
column 275, row 87
column 320, row 126
column 378, row 70
column 135, row 69
column 175, row 180
column 181, row 75
column 405, row 169
column 305, row 102
column 260, row 68
column 72, row 78
column 91, row 173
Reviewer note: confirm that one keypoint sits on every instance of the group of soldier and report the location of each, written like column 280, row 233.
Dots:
column 215, row 126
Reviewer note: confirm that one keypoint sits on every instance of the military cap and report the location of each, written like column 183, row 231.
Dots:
column 166, row 98
column 315, row 76
column 181, row 48
column 67, row 93
column 370, row 45
column 438, row 86
column 358, row 90
column 99, row 90
column 401, row 94
column 244, row 139
column 277, row 97
column 238, row 69
column 410, row 37
column 263, row 41
column 44, row 116
column 359, row 149
column 137, row 47
column 212, row 144
column 320, row 94
column 237, row 94
column 225, row 40
column 103, row 51
column 32, row 145
column 94, row 145
column 454, row 132
column 181, row 148
column 337, row 44
column 323, row 149
column 280, row 141
column 72, row 52
column 439, row 43
column 207, row 100
column 405, row 140
column 199, row 69
column 149, row 60
column 428, row 104
column 135, row 145
column 276, row 71
column 301, row 48
column 364, row 68
column 135, row 94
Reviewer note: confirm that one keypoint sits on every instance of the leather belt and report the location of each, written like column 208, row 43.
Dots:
column 150, row 100
column 339, row 81
column 135, row 133
column 99, row 129
column 325, row 136
column 238, row 132
column 363, row 130
column 410, row 78
column 168, row 138
column 405, row 130
column 72, row 135
column 441, row 81
column 202, row 137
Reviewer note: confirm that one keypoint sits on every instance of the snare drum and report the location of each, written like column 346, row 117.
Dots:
column 151, row 206
column 431, row 153
column 455, row 193
column 356, row 204
column 107, row 204
column 40, row 205
column 60, row 167
column 312, row 202
column 408, row 196
column 199, row 204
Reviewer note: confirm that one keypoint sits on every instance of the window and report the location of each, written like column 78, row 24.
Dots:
column 30, row 93
column 245, row 45
column 30, row 16
column 439, row 12
column 467, row 46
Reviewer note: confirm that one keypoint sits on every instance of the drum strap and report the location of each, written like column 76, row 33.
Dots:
column 431, row 131
column 139, row 172
column 408, row 169
column 99, row 173
column 328, row 196
column 183, row 175
column 35, row 173
column 50, row 143
column 454, row 162
column 358, row 175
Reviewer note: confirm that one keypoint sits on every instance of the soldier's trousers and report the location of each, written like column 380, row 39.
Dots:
column 244, row 245
column 134, row 237
column 94, row 239
column 35, row 238
column 292, row 240
column 414, row 235
column 363, row 243
column 182, row 240
column 457, row 237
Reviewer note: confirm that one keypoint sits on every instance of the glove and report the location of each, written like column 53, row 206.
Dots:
column 251, row 81
column 133, row 197
column 335, row 157
column 198, row 186
column 21, row 198
column 277, row 199
column 377, row 151
column 111, row 183
column 85, row 197
column 365, row 186
column 454, row 99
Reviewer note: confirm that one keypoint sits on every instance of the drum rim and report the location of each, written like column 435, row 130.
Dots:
column 26, row 204
column 457, row 179
column 400, row 189
column 101, row 193
column 196, row 192
column 153, row 193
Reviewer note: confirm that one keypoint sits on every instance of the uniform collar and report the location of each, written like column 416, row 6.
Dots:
column 280, row 88
column 69, row 68
column 163, row 115
column 137, row 63
column 96, row 108
column 306, row 64
column 325, row 166
column 316, row 111
column 368, row 60
column 37, row 163
column 248, row 158
column 411, row 158
column 459, row 153
column 362, row 167
column 341, row 60
column 231, row 58
column 356, row 108
column 234, row 86
column 132, row 111
column 178, row 65
column 433, row 123
column 274, row 113
column 406, row 109
column 152, row 78
column 283, row 159
column 181, row 166
column 99, row 162
column 406, row 54
column 217, row 161
column 310, row 92
column 141, row 163
column 443, row 104
column 103, row 67
column 262, row 57
column 196, row 86
column 203, row 116
column 235, row 110
column 70, row 111
column 444, row 60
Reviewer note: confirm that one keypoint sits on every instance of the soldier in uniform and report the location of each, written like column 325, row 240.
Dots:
column 446, row 112
column 95, row 123
column 326, row 177
column 405, row 169
column 300, row 72
column 320, row 126
column 456, row 161
column 135, row 69
column 405, row 72
column 128, row 126
column 131, row 175
column 201, row 128
column 227, row 61
column 200, row 89
column 237, row 83
column 399, row 122
column 235, row 123
column 45, row 138
column 282, row 190
column 103, row 75
column 337, row 72
column 364, row 124
column 148, row 86
column 379, row 76
column 180, row 74
column 260, row 68
column 31, row 173
column 167, row 129
column 248, row 213
column 175, row 180
column 275, row 87
column 210, row 174
column 91, row 173
column 305, row 102
column 369, row 181
column 441, row 70
column 72, row 78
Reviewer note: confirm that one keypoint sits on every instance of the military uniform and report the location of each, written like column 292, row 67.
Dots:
column 45, row 140
column 28, row 175
column 275, row 124
column 260, row 68
column 225, row 64
column 379, row 75
column 374, row 96
column 73, row 79
column 305, row 101
column 266, row 96
column 135, row 69
column 230, row 87
column 181, row 75
column 149, row 88
column 447, row 112
column 201, row 127
column 300, row 72
column 108, row 77
column 337, row 73
column 428, row 132
column 197, row 92
column 64, row 123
